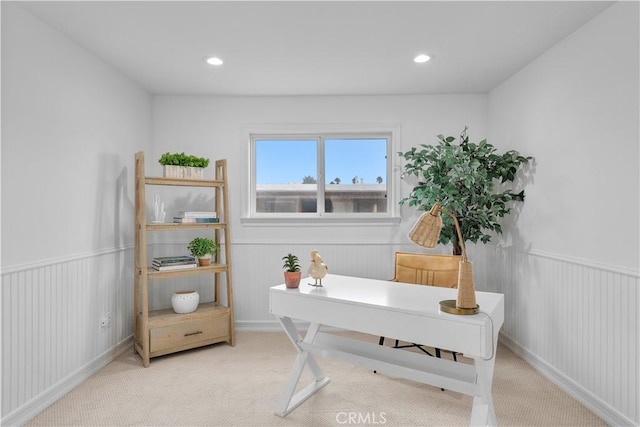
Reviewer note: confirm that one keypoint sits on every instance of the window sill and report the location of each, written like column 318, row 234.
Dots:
column 315, row 221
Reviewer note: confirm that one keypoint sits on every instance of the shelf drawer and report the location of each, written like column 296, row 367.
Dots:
column 188, row 334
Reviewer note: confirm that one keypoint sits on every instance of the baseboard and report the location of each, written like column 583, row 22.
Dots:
column 41, row 402
column 588, row 399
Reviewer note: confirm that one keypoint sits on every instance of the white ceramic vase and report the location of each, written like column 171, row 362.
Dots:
column 185, row 301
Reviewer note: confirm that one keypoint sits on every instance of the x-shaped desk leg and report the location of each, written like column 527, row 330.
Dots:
column 288, row 402
column 483, row 412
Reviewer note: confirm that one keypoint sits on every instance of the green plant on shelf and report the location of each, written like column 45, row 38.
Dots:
column 182, row 159
column 201, row 247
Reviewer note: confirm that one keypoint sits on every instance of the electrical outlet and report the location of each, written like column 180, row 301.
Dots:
column 106, row 321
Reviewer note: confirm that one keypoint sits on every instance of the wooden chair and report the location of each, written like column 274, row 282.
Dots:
column 428, row 270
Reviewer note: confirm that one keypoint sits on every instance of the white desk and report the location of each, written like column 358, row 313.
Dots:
column 395, row 310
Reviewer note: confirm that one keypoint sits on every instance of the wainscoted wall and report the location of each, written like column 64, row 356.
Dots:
column 575, row 316
column 575, row 322
column 52, row 338
column 258, row 267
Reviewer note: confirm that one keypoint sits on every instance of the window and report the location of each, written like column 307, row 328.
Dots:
column 325, row 175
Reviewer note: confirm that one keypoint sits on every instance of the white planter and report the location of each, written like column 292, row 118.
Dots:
column 186, row 172
column 185, row 301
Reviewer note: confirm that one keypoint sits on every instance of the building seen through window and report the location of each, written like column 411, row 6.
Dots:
column 321, row 175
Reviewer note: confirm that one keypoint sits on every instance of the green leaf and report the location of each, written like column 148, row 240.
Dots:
column 461, row 176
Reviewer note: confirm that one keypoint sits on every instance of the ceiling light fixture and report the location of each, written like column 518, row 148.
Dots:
column 421, row 59
column 212, row 60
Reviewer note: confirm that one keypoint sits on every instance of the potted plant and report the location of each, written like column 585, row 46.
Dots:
column 462, row 177
column 292, row 273
column 181, row 165
column 203, row 248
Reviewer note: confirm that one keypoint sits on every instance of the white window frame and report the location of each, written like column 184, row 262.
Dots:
column 251, row 132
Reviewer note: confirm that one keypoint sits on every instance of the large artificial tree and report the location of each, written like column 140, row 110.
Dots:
column 470, row 180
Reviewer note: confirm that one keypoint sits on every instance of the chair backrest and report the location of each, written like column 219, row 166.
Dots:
column 427, row 269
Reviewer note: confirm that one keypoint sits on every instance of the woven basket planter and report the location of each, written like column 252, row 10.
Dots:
column 185, row 172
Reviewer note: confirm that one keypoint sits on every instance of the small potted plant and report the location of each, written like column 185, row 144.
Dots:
column 180, row 165
column 292, row 273
column 203, row 248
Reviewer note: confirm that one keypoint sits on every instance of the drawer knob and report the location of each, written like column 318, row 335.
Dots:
column 188, row 334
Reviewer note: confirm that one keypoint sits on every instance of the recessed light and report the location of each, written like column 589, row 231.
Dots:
column 420, row 59
column 212, row 60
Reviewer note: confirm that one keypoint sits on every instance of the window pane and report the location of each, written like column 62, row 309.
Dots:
column 356, row 175
column 286, row 173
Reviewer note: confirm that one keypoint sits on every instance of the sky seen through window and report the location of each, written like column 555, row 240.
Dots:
column 290, row 161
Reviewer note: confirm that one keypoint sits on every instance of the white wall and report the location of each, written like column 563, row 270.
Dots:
column 214, row 126
column 576, row 110
column 70, row 127
column 568, row 263
column 70, row 124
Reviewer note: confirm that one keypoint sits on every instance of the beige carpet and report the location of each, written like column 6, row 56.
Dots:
column 221, row 385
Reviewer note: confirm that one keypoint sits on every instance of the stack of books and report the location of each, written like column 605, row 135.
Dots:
column 193, row 217
column 166, row 263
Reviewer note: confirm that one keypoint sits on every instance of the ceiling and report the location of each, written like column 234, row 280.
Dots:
column 316, row 47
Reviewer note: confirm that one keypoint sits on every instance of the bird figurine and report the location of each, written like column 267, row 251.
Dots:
column 317, row 269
